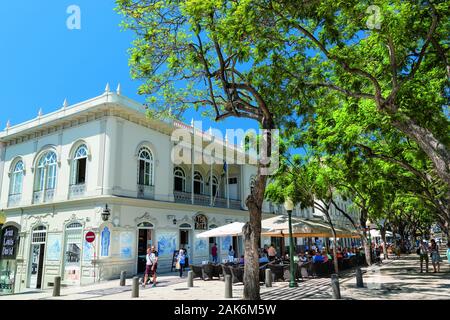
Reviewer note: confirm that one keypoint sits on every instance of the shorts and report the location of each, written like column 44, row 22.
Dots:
column 435, row 258
column 424, row 257
column 148, row 269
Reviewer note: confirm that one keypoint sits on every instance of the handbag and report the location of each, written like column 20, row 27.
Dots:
column 418, row 251
column 178, row 266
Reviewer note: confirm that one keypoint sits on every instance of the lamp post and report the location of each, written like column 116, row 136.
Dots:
column 368, row 223
column 289, row 205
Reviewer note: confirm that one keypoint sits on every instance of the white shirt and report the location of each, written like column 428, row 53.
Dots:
column 149, row 261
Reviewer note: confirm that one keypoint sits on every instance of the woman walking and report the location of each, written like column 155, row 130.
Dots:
column 435, row 257
column 181, row 259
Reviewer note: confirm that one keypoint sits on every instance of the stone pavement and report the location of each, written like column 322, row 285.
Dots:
column 393, row 279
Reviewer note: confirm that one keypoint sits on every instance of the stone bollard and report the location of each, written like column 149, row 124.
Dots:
column 268, row 278
column 228, row 287
column 190, row 280
column 123, row 277
column 57, row 287
column 135, row 288
column 335, row 286
column 359, row 278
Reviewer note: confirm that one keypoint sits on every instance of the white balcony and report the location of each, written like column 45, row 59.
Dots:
column 77, row 191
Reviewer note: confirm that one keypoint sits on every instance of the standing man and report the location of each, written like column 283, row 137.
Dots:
column 214, row 253
column 271, row 252
column 423, row 251
column 153, row 256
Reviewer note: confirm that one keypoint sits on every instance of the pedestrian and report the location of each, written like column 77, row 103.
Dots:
column 423, row 252
column 181, row 260
column 214, row 253
column 230, row 254
column 448, row 251
column 271, row 252
column 435, row 257
column 148, row 265
column 153, row 256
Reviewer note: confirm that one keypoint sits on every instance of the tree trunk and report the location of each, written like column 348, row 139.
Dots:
column 335, row 260
column 252, row 234
column 367, row 250
column 435, row 149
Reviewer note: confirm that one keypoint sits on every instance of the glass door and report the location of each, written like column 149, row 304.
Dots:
column 38, row 238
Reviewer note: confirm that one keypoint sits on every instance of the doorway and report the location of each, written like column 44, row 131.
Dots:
column 144, row 241
column 38, row 238
column 185, row 241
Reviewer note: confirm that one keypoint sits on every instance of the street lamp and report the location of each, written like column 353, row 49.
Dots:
column 368, row 223
column 289, row 205
column 106, row 213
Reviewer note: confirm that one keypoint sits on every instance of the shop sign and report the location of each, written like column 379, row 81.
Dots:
column 8, row 243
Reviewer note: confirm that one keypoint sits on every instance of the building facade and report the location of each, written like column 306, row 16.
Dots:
column 60, row 171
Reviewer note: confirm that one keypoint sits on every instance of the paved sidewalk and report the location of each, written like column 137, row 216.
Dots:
column 393, row 279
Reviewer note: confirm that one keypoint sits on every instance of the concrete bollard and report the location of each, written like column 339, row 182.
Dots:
column 359, row 278
column 335, row 286
column 228, row 287
column 57, row 287
column 135, row 288
column 190, row 280
column 268, row 278
column 123, row 277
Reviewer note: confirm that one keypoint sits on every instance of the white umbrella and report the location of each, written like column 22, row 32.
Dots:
column 377, row 234
column 279, row 226
column 232, row 229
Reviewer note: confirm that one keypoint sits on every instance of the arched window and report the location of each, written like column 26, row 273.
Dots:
column 46, row 172
column 17, row 179
column 145, row 167
column 215, row 186
column 79, row 165
column 198, row 183
column 179, row 179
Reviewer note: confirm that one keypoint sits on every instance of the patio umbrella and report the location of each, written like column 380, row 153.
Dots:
column 279, row 227
column 232, row 229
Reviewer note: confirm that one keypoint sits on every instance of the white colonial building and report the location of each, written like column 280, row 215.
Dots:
column 59, row 171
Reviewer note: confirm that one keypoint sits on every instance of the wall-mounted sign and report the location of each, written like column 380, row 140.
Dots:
column 8, row 245
column 201, row 222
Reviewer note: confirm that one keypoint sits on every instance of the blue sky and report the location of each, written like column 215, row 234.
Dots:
column 42, row 62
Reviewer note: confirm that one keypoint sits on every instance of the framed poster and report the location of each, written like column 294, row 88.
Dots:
column 105, row 242
column 226, row 243
column 126, row 244
column 54, row 247
column 167, row 243
column 201, row 247
column 88, row 251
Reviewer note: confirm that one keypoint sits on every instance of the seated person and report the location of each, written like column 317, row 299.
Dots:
column 339, row 254
column 302, row 259
column 318, row 258
column 263, row 259
column 241, row 260
column 325, row 256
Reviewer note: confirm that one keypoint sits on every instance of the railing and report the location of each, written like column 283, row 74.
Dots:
column 14, row 199
column 146, row 192
column 77, row 191
column 43, row 196
column 205, row 200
